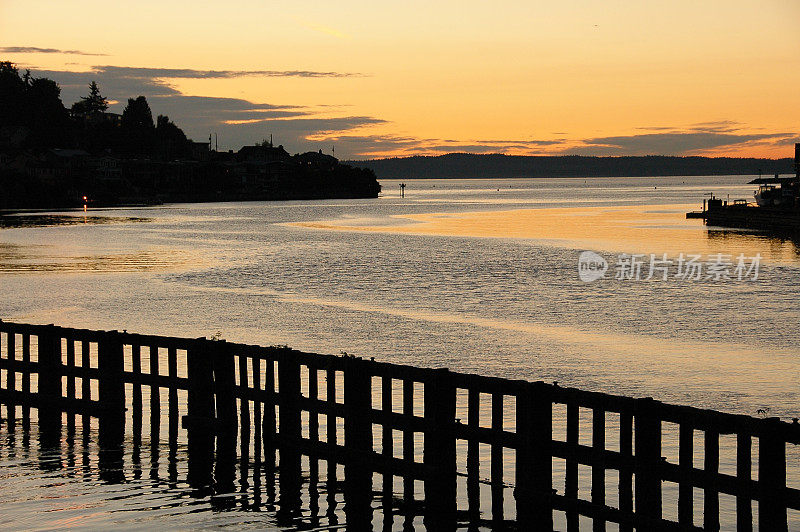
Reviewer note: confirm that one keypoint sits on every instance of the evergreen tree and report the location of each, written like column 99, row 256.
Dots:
column 138, row 130
column 171, row 142
column 46, row 115
column 12, row 89
column 93, row 104
column 34, row 104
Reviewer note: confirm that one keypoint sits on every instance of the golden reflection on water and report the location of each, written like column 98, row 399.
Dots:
column 42, row 259
column 618, row 229
column 669, row 359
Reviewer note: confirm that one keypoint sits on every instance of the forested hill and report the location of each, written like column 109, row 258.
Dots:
column 464, row 165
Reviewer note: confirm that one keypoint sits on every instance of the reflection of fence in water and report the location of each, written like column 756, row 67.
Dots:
column 464, row 446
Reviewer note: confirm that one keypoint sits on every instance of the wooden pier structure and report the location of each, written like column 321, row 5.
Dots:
column 400, row 422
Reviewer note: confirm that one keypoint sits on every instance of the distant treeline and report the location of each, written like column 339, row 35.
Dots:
column 53, row 156
column 465, row 165
column 33, row 117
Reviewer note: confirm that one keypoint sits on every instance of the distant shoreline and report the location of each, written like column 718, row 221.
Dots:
column 498, row 166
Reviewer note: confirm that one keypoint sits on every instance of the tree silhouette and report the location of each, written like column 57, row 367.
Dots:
column 34, row 104
column 93, row 104
column 171, row 142
column 138, row 130
column 47, row 117
column 12, row 89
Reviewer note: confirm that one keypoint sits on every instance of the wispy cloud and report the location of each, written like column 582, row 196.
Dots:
column 674, row 143
column 188, row 73
column 36, row 50
column 332, row 32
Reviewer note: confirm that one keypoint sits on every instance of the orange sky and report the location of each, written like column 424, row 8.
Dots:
column 613, row 77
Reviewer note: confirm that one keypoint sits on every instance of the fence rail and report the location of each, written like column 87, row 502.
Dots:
column 372, row 415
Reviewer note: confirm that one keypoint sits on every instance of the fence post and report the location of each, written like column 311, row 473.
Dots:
column 686, row 463
column 200, row 413
column 772, row 477
column 11, row 386
column 227, row 423
column 534, row 457
column 440, row 450
column 598, row 464
column 744, row 466
column 49, row 385
column 289, row 432
column 26, row 380
column 111, row 393
column 268, row 426
column 711, row 490
column 647, row 462
column 358, row 443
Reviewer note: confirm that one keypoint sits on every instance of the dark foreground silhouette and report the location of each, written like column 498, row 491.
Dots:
column 54, row 157
column 447, row 447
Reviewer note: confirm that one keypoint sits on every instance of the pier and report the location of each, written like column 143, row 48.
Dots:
column 275, row 407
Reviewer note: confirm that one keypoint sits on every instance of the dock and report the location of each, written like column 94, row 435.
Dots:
column 385, row 421
column 781, row 215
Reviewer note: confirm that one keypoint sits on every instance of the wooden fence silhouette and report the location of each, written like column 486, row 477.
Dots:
column 271, row 396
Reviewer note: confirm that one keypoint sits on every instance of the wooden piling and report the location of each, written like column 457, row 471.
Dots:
column 744, row 464
column 290, row 430
column 111, row 390
column 440, row 451
column 599, row 465
column 200, row 421
column 772, row 503
column 111, row 395
column 625, row 470
column 534, row 476
column 11, row 380
column 358, row 440
column 49, row 383
column 711, row 490
column 648, row 462
column 26, row 380
column 686, row 464
column 496, row 459
column 136, row 392
column 227, row 423
column 571, row 481
column 473, row 457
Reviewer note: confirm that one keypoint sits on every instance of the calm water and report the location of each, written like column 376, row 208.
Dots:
column 474, row 275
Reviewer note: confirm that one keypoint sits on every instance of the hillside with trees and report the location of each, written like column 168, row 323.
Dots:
column 467, row 165
column 51, row 156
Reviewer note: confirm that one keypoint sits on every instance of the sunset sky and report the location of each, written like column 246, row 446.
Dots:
column 705, row 77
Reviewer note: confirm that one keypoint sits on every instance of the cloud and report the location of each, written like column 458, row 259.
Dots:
column 399, row 146
column 674, row 143
column 36, row 50
column 527, row 142
column 709, row 138
column 131, row 81
column 374, row 145
column 236, row 121
column 188, row 73
column 332, row 32
column 75, row 84
column 305, row 133
column 302, row 128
